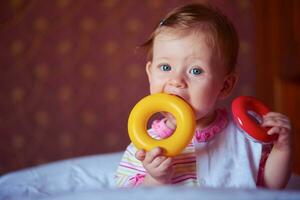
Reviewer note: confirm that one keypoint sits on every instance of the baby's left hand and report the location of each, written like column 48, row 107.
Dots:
column 281, row 125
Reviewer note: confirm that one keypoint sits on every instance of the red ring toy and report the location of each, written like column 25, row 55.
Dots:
column 240, row 110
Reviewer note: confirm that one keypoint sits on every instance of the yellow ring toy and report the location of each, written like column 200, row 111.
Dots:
column 149, row 105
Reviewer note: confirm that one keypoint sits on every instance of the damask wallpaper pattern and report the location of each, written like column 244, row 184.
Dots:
column 70, row 72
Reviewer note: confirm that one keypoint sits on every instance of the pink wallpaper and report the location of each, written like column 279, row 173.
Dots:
column 70, row 73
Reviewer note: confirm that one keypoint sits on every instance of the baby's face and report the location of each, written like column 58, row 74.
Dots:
column 187, row 67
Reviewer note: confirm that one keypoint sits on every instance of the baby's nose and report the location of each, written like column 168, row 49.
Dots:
column 178, row 81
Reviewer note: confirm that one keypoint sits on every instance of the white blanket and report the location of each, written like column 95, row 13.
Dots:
column 92, row 178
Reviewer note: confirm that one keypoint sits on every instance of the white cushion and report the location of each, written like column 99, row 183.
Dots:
column 79, row 174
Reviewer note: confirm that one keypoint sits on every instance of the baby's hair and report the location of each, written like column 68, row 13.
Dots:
column 220, row 32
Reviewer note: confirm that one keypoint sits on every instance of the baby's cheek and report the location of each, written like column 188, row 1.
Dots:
column 155, row 89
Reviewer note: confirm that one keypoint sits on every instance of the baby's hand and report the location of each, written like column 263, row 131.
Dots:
column 159, row 167
column 280, row 124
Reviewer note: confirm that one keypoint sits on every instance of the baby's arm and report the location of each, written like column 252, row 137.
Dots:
column 159, row 168
column 278, row 165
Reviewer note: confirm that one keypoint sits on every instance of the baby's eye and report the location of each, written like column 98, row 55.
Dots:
column 196, row 71
column 165, row 67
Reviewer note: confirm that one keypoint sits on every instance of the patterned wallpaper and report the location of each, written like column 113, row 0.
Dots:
column 70, row 73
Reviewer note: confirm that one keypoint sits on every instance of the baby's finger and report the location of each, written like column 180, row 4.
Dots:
column 278, row 130
column 152, row 154
column 140, row 154
column 158, row 161
column 276, row 116
column 271, row 122
column 166, row 163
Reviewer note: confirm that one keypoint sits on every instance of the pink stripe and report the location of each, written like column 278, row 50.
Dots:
column 185, row 160
column 185, row 156
column 184, row 177
column 183, row 163
column 129, row 167
column 128, row 164
column 174, row 182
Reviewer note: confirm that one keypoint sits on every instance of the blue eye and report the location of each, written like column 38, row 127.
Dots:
column 196, row 71
column 165, row 67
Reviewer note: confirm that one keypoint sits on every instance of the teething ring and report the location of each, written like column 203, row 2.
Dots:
column 240, row 109
column 145, row 108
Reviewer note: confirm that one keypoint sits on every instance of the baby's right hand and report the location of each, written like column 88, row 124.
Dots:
column 159, row 167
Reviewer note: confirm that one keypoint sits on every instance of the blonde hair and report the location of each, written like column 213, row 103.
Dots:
column 220, row 32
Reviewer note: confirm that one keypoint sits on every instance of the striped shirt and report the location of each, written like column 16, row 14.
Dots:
column 131, row 170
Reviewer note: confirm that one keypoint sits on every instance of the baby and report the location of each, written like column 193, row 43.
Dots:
column 192, row 54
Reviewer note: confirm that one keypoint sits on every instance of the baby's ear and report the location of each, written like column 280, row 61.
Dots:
column 228, row 85
column 148, row 65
